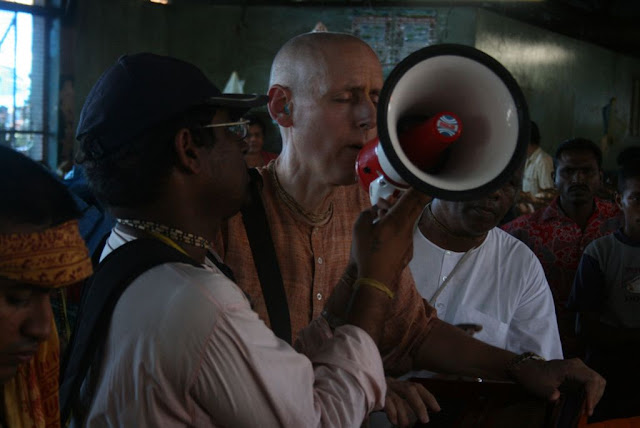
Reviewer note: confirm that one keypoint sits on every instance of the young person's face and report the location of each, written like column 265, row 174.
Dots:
column 255, row 139
column 25, row 321
column 629, row 202
column 577, row 176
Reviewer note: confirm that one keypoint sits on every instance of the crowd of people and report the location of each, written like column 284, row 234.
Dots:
column 278, row 296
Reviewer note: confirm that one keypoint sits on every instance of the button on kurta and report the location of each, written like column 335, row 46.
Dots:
column 319, row 296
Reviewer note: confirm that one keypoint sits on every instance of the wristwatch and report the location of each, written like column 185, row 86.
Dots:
column 519, row 359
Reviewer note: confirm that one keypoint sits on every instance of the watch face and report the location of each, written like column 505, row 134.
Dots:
column 519, row 359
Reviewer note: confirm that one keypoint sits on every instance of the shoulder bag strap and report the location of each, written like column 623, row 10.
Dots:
column 266, row 262
column 99, row 298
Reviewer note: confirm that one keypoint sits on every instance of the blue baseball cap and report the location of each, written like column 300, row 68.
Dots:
column 144, row 89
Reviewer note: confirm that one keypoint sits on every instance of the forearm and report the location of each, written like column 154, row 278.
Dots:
column 338, row 302
column 366, row 307
column 448, row 349
column 340, row 364
column 368, row 310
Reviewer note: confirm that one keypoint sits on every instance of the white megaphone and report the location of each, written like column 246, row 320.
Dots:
column 452, row 122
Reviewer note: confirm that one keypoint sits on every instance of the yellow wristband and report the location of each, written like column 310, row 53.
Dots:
column 375, row 284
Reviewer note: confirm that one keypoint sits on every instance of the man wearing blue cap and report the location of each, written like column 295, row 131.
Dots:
column 162, row 148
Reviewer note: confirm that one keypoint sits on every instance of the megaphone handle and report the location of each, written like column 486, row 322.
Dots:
column 381, row 189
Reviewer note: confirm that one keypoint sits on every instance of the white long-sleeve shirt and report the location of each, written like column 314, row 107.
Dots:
column 184, row 348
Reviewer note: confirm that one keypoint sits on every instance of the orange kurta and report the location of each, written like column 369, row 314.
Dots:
column 312, row 258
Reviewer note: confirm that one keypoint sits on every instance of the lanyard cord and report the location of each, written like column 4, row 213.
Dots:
column 167, row 241
column 460, row 262
column 453, row 271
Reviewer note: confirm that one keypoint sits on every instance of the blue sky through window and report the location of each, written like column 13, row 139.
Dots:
column 15, row 58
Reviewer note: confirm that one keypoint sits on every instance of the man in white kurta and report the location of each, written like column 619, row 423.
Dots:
column 537, row 174
column 474, row 273
column 499, row 285
column 538, row 168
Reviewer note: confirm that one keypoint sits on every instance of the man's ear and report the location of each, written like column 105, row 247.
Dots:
column 280, row 105
column 187, row 153
column 618, row 200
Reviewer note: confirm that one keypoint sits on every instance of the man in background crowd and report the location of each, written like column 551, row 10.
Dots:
column 559, row 233
column 255, row 156
column 538, row 168
column 606, row 295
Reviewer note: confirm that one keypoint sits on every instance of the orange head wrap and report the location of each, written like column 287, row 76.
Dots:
column 52, row 258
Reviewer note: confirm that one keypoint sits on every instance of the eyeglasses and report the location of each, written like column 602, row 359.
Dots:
column 238, row 129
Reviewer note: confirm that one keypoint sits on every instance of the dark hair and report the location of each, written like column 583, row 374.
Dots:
column 578, row 144
column 31, row 194
column 535, row 134
column 255, row 120
column 135, row 174
column 629, row 162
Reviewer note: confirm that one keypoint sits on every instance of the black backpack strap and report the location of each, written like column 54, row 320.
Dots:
column 99, row 297
column 97, row 252
column 264, row 257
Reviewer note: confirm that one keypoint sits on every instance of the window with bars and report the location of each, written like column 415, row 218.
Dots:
column 29, row 52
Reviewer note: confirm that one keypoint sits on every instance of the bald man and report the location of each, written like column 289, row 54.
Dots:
column 323, row 94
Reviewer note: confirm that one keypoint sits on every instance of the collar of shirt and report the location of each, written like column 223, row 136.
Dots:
column 534, row 154
column 620, row 236
column 553, row 212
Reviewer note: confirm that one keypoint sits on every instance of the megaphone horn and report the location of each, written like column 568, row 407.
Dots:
column 452, row 122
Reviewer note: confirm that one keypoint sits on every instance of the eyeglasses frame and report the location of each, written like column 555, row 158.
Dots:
column 228, row 124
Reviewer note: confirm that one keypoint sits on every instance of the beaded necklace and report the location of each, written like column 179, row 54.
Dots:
column 170, row 232
column 312, row 218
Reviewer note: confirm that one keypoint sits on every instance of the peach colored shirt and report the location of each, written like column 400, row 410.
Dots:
column 312, row 258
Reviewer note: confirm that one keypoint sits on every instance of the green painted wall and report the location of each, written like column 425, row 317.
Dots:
column 566, row 81
column 219, row 39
